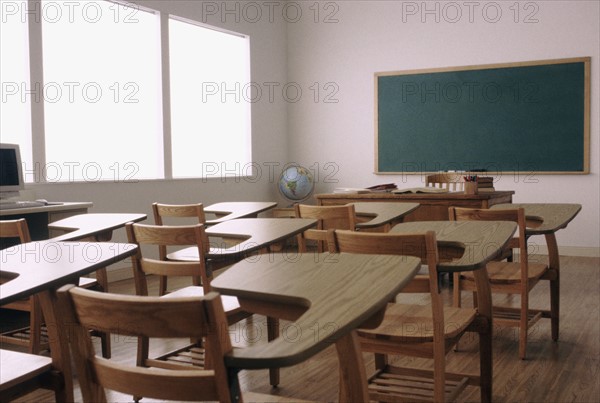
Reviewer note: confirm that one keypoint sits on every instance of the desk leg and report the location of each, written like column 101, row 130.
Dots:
column 484, row 308
column 59, row 345
column 272, row 334
column 353, row 376
column 554, row 265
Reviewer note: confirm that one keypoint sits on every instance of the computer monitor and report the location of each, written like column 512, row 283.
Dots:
column 11, row 171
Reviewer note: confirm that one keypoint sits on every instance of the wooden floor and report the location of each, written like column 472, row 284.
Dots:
column 567, row 371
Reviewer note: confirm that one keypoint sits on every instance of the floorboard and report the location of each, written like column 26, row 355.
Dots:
column 566, row 371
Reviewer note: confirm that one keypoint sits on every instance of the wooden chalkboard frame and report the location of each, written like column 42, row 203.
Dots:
column 382, row 140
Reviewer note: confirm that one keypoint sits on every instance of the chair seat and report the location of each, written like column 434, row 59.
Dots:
column 86, row 282
column 231, row 305
column 413, row 323
column 510, row 272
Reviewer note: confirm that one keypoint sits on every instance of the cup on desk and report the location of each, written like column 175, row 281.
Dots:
column 471, row 188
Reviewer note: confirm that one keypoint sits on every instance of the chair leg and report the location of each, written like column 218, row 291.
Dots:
column 554, row 306
column 35, row 326
column 105, row 343
column 523, row 325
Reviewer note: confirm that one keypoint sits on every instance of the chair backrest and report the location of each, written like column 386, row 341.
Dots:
column 137, row 316
column 176, row 211
column 423, row 246
column 328, row 217
column 516, row 215
column 446, row 180
column 15, row 229
column 161, row 210
column 167, row 235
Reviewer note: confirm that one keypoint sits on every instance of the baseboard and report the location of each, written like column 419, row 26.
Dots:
column 120, row 273
column 571, row 251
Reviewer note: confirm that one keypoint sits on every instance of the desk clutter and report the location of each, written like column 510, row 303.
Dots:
column 356, row 257
column 434, row 183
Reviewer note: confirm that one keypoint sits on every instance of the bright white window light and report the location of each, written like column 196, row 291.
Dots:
column 15, row 107
column 210, row 101
column 102, row 92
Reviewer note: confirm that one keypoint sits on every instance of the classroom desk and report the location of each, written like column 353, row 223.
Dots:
column 546, row 219
column 85, row 226
column 96, row 227
column 231, row 210
column 432, row 206
column 38, row 218
column 469, row 246
column 326, row 296
column 249, row 235
column 381, row 215
column 42, row 267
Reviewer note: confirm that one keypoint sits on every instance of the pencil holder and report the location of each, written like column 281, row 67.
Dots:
column 471, row 188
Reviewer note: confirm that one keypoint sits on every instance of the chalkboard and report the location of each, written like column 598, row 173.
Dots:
column 513, row 117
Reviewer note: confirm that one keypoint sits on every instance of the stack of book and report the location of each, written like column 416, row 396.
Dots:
column 485, row 183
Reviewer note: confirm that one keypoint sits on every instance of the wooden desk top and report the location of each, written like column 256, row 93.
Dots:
column 86, row 225
column 253, row 233
column 545, row 218
column 231, row 210
column 36, row 266
column 329, row 295
column 381, row 212
column 47, row 208
column 383, row 196
column 471, row 243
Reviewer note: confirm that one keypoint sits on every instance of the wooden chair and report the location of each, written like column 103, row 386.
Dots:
column 328, row 217
column 428, row 331
column 200, row 317
column 510, row 277
column 185, row 235
column 177, row 211
column 451, row 181
column 35, row 337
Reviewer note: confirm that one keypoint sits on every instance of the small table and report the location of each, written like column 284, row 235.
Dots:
column 42, row 267
column 231, row 210
column 254, row 234
column 469, row 246
column 546, row 219
column 326, row 296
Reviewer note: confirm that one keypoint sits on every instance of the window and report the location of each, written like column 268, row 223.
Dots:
column 15, row 108
column 210, row 105
column 102, row 92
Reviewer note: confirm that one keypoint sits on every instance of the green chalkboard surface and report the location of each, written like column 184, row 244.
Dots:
column 517, row 117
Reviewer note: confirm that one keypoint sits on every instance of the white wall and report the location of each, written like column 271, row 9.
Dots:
column 375, row 36
column 329, row 51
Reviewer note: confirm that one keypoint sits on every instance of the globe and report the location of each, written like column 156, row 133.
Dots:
column 296, row 183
